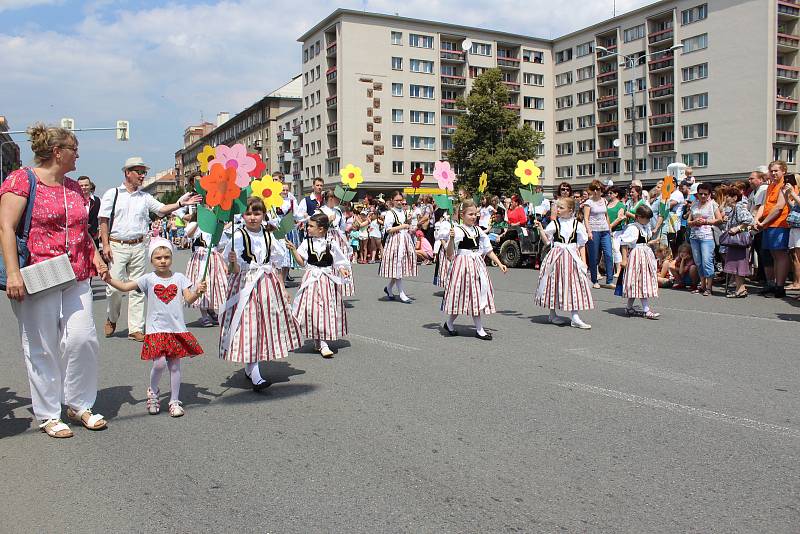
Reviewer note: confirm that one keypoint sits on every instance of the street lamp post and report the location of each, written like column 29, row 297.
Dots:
column 631, row 61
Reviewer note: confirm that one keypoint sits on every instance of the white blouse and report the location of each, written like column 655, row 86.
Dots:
column 320, row 243
column 258, row 248
column 567, row 228
column 484, row 245
column 632, row 232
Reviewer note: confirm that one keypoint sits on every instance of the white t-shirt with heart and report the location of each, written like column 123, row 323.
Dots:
column 164, row 302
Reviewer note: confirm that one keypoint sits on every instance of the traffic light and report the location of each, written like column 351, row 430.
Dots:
column 123, row 131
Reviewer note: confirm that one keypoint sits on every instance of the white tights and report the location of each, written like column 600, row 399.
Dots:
column 157, row 370
column 399, row 283
column 475, row 319
column 645, row 304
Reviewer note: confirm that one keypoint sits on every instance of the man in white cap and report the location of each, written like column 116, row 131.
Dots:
column 124, row 222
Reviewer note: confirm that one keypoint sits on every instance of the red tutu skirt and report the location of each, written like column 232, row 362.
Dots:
column 170, row 345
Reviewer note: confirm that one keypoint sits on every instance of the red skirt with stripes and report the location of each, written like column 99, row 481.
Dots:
column 319, row 309
column 563, row 283
column 469, row 290
column 399, row 260
column 267, row 329
column 641, row 274
column 217, row 279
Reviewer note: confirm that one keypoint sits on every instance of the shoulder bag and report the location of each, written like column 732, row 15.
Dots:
column 23, row 229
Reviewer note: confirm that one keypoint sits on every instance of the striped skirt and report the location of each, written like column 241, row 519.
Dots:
column 288, row 258
column 641, row 274
column 399, row 260
column 469, row 289
column 318, row 307
column 563, row 281
column 442, row 268
column 217, row 279
column 266, row 330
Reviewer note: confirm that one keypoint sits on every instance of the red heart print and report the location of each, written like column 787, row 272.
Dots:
column 165, row 294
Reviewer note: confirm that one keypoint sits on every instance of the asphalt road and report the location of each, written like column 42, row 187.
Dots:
column 687, row 424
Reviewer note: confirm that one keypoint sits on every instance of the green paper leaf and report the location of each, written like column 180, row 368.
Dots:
column 240, row 204
column 339, row 192
column 349, row 196
column 221, row 214
column 217, row 234
column 285, row 226
column 477, row 199
column 538, row 198
column 199, row 189
column 663, row 209
column 411, row 199
column 206, row 219
column 443, row 201
column 526, row 194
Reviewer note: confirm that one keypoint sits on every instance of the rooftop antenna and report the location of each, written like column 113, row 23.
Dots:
column 615, row 8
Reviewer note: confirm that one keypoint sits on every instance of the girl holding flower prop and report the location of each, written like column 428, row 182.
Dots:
column 399, row 258
column 337, row 234
column 207, row 244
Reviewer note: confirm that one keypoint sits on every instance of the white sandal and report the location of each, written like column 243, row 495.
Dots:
column 95, row 422
column 175, row 408
column 55, row 428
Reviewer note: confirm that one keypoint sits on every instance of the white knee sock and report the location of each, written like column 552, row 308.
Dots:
column 174, row 378
column 323, row 345
column 478, row 325
column 155, row 372
column 451, row 320
column 390, row 286
column 254, row 372
column 400, row 289
column 645, row 305
column 575, row 317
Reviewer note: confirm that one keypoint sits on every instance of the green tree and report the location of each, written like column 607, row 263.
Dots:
column 170, row 197
column 489, row 138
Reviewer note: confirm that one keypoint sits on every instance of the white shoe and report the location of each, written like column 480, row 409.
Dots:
column 557, row 319
column 580, row 324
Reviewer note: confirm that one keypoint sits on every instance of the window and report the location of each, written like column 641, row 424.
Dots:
column 397, row 89
column 698, row 101
column 310, row 52
column 609, row 167
column 585, row 121
column 790, row 155
column 638, row 85
column 540, row 152
column 563, row 149
column 586, row 169
column 585, row 73
column 586, row 97
column 397, row 167
column 564, row 172
column 420, row 91
column 397, row 141
column 631, row 34
column 694, row 14
column 423, row 143
column 421, row 65
column 660, row 163
column 696, row 159
column 397, row 63
column 532, row 102
column 397, row 115
column 316, row 48
column 529, row 78
column 564, row 125
column 536, row 126
column 305, row 56
column 532, row 56
column 584, row 49
column 563, row 56
column 586, row 145
column 695, row 72
column 423, row 117
column 564, row 102
column 695, row 131
column 698, row 42
column 474, row 72
column 397, row 39
column 641, row 165
column 481, row 49
column 420, row 41
column 565, row 78
column 640, row 112
column 426, row 166
column 639, row 139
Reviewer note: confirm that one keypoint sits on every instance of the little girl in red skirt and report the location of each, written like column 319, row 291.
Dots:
column 166, row 340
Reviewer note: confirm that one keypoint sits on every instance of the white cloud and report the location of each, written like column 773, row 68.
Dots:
column 8, row 5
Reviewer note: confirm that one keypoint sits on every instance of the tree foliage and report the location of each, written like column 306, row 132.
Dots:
column 489, row 138
column 170, row 197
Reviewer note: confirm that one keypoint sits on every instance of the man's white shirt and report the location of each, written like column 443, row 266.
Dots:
column 132, row 212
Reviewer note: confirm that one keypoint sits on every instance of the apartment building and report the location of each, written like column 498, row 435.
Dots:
column 709, row 83
column 9, row 149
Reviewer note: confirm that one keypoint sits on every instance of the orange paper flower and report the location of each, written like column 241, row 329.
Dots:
column 668, row 187
column 220, row 187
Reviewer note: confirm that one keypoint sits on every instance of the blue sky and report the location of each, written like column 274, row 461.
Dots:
column 164, row 64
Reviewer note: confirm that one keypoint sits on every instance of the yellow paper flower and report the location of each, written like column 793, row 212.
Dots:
column 483, row 182
column 268, row 190
column 205, row 157
column 527, row 172
column 351, row 176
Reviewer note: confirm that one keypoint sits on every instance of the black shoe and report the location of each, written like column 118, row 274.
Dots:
column 388, row 295
column 766, row 290
column 780, row 292
column 447, row 329
column 486, row 337
column 264, row 384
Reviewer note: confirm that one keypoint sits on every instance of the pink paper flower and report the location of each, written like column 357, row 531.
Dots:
column 235, row 157
column 444, row 175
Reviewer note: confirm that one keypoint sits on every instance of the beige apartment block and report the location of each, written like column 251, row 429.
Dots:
column 379, row 90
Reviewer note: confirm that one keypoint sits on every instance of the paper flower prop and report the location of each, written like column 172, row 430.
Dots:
column 220, row 186
column 205, row 157
column 483, row 181
column 527, row 172
column 416, row 178
column 351, row 176
column 444, row 175
column 269, row 191
column 235, row 157
column 668, row 187
column 260, row 165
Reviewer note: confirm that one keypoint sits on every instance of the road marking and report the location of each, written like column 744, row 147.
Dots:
column 645, row 369
column 683, row 409
column 387, row 344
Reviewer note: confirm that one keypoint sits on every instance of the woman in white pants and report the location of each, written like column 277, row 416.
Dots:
column 59, row 340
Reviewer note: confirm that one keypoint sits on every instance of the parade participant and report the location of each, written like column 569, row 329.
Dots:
column 167, row 339
column 398, row 259
column 563, row 277
column 640, row 265
column 318, row 305
column 311, row 203
column 216, row 275
column 336, row 232
column 289, row 206
column 442, row 233
column 57, row 331
column 257, row 321
column 469, row 289
column 124, row 223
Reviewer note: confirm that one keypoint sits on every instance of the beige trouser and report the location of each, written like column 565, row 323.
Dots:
column 128, row 264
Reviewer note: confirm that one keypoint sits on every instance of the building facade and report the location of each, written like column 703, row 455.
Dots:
column 712, row 84
column 10, row 151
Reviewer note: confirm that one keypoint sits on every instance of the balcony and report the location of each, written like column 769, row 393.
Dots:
column 608, row 153
column 330, row 74
column 787, row 73
column 330, row 50
column 788, row 9
column 448, row 129
column 454, row 81
column 666, row 62
column 450, row 106
column 279, row 136
column 785, row 136
column 788, row 43
column 607, row 78
column 513, row 107
column 513, row 87
column 452, row 56
column 785, row 105
column 607, row 127
column 602, row 55
column 665, row 119
column 508, row 62
column 331, row 102
column 606, row 102
column 660, row 37
column 297, row 153
column 296, row 130
column 662, row 146
column 333, row 128
column 333, row 153
column 662, row 91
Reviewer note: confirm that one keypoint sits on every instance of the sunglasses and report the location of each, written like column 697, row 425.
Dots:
column 140, row 172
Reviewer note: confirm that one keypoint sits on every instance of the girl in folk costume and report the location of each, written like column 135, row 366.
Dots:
column 399, row 258
column 441, row 234
column 318, row 305
column 336, row 233
column 167, row 340
column 641, row 272
column 563, row 276
column 257, row 321
column 289, row 206
column 213, row 300
column 469, row 289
